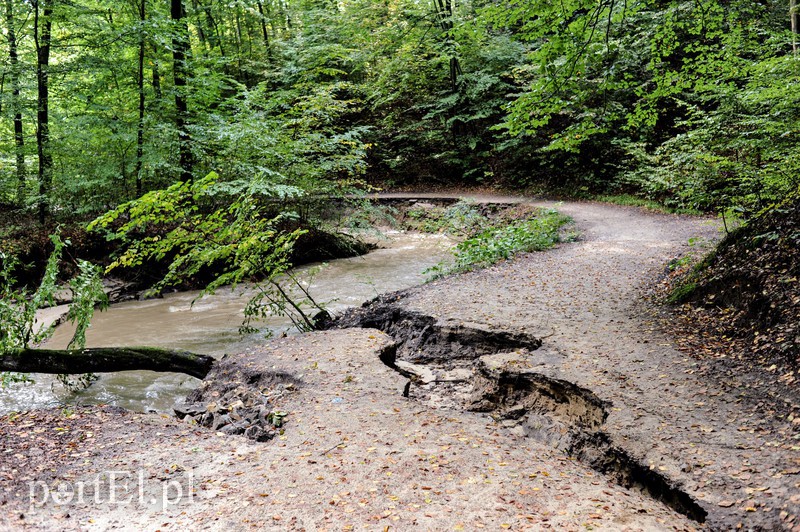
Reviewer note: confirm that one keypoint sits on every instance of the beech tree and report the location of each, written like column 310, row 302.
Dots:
column 16, row 104
column 180, row 53
column 42, row 32
column 687, row 104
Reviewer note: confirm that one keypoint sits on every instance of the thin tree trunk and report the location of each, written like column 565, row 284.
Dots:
column 42, row 27
column 285, row 14
column 105, row 360
column 793, row 23
column 238, row 39
column 249, row 32
column 212, row 23
column 445, row 11
column 140, row 83
column 201, row 32
column 180, row 50
column 16, row 108
column 264, row 32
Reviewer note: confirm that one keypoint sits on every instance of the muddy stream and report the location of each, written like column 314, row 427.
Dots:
column 210, row 325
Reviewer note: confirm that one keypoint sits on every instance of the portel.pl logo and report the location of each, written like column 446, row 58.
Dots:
column 116, row 487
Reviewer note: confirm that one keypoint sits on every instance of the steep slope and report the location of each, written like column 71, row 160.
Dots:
column 746, row 294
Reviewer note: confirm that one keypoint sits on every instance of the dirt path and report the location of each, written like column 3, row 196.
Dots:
column 495, row 433
column 731, row 449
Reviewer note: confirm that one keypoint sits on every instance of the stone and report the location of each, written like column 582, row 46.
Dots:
column 220, row 421
column 207, row 419
column 416, row 372
column 233, row 429
column 190, row 410
column 254, row 432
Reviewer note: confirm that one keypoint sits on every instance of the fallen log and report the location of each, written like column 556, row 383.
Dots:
column 105, row 360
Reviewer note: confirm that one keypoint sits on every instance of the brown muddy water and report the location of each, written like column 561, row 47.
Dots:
column 210, row 324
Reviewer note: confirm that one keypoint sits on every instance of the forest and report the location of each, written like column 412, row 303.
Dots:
column 642, row 374
column 691, row 104
column 162, row 123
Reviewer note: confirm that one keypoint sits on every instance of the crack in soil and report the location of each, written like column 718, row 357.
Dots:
column 490, row 371
column 421, row 339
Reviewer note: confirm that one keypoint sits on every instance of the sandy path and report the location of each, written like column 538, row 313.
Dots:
column 356, row 454
column 718, row 439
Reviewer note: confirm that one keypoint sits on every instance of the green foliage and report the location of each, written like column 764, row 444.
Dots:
column 190, row 227
column 18, row 309
column 630, row 200
column 462, row 218
column 88, row 295
column 287, row 297
column 682, row 292
column 688, row 104
column 366, row 215
column 8, row 378
column 503, row 242
column 216, row 230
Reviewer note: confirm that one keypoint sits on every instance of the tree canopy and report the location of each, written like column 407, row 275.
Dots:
column 689, row 103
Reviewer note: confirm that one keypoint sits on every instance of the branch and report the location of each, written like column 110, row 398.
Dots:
column 104, row 360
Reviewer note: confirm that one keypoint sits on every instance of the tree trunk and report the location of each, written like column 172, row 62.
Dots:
column 264, row 32
column 42, row 28
column 214, row 37
column 238, row 39
column 104, row 360
column 285, row 14
column 201, row 31
column 16, row 108
column 445, row 11
column 180, row 50
column 793, row 23
column 156, row 77
column 140, row 83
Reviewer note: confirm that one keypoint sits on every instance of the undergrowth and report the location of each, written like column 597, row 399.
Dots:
column 500, row 242
column 463, row 218
column 742, row 301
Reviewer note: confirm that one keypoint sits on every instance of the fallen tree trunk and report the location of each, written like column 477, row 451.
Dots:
column 105, row 359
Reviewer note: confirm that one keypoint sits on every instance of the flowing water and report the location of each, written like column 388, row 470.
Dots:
column 210, row 325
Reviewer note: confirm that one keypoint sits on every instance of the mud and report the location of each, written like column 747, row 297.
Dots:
column 421, row 338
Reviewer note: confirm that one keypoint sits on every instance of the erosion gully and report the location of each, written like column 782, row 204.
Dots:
column 464, row 367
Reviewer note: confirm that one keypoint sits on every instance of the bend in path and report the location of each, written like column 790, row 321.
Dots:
column 585, row 299
column 356, row 453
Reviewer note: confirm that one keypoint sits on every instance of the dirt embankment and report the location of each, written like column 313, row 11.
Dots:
column 744, row 305
column 540, row 393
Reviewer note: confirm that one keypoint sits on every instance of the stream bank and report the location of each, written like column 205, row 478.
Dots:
column 421, row 236
column 568, row 422
column 210, row 324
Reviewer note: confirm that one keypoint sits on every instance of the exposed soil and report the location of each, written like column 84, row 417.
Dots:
column 540, row 393
column 747, row 297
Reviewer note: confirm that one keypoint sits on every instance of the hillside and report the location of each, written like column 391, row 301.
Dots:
column 743, row 300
